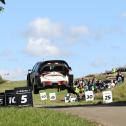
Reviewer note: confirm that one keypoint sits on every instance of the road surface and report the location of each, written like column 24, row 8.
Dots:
column 103, row 114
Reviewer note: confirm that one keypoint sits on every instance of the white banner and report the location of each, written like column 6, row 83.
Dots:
column 89, row 96
column 107, row 96
column 43, row 96
column 52, row 96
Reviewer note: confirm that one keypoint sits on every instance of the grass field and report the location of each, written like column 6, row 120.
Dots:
column 39, row 117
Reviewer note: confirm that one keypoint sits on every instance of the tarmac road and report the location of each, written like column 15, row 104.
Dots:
column 105, row 115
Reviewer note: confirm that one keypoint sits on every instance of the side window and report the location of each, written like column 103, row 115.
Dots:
column 37, row 67
column 33, row 70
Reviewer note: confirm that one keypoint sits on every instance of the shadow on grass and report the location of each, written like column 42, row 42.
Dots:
column 114, row 104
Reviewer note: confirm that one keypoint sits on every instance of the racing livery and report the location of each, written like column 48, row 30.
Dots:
column 50, row 74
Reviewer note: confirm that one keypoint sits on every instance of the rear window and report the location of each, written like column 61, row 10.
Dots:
column 57, row 68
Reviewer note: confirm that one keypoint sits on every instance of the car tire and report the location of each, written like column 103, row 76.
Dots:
column 35, row 87
column 71, row 80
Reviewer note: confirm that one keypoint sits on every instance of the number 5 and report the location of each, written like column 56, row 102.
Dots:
column 24, row 99
column 1, row 101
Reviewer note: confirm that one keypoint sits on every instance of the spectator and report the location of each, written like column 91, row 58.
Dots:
column 83, row 81
column 101, row 85
column 81, row 91
column 90, row 85
column 94, row 82
column 86, row 87
column 112, row 85
column 113, row 70
column 119, row 77
column 77, row 82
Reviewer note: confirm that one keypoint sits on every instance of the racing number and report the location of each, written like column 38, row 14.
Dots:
column 43, row 96
column 52, row 97
column 12, row 100
column 24, row 99
column 89, row 96
column 107, row 97
column 1, row 101
column 23, row 96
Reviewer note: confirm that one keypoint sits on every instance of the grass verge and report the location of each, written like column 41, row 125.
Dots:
column 39, row 117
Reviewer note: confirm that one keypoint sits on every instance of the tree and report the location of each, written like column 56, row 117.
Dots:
column 3, row 1
column 1, row 8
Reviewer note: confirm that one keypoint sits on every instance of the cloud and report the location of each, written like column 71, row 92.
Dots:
column 78, row 32
column 98, row 62
column 47, row 37
column 123, row 14
column 41, row 46
column 42, row 35
column 13, row 74
column 44, row 27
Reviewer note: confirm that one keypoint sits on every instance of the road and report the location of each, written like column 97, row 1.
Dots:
column 105, row 115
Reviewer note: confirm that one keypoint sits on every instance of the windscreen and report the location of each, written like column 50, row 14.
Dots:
column 54, row 68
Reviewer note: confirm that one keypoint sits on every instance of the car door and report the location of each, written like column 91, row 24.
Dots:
column 33, row 72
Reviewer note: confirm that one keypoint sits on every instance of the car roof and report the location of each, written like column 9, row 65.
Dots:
column 54, row 61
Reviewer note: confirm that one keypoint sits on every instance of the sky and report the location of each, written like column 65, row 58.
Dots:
column 89, row 34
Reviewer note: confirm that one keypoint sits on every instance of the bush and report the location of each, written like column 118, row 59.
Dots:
column 1, row 79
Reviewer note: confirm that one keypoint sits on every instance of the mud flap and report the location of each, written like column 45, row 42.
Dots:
column 71, row 80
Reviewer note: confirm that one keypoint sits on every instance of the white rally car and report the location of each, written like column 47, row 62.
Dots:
column 50, row 74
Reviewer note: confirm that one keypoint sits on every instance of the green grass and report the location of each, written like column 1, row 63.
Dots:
column 39, row 117
column 119, row 92
column 1, row 80
column 11, row 85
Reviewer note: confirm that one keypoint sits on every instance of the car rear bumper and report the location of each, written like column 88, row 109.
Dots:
column 49, row 84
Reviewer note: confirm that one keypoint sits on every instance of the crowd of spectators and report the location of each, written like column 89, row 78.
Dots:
column 81, row 85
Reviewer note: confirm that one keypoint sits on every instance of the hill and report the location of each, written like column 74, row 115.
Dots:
column 1, row 80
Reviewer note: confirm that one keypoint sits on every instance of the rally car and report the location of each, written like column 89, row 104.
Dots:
column 50, row 74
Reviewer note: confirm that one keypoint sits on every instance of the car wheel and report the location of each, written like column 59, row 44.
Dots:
column 71, row 80
column 35, row 88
